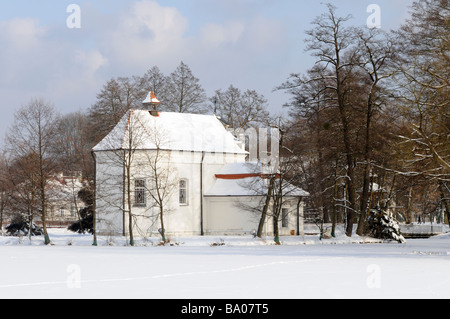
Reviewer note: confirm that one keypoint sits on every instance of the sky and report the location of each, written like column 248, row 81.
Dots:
column 251, row 44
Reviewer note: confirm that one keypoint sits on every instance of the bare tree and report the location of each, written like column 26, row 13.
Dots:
column 113, row 101
column 333, row 46
column 184, row 92
column 23, row 189
column 375, row 55
column 133, row 141
column 74, row 148
column 5, row 190
column 273, row 182
column 32, row 135
column 423, row 89
column 315, row 125
column 160, row 177
column 275, row 193
column 240, row 110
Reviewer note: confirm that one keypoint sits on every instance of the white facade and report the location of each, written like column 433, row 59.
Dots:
column 226, row 216
column 176, row 170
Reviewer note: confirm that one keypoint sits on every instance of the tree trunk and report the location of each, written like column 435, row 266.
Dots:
column 409, row 218
column 276, row 230
column 335, row 193
column 30, row 221
column 1, row 213
column 365, row 200
column 130, row 215
column 351, row 193
column 348, row 149
column 44, row 210
column 163, row 231
column 262, row 220
column 42, row 184
column 365, row 197
column 445, row 201
column 94, row 204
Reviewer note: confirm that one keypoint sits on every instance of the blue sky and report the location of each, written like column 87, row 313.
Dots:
column 252, row 44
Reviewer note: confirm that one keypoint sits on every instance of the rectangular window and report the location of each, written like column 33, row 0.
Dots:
column 284, row 217
column 139, row 192
column 183, row 192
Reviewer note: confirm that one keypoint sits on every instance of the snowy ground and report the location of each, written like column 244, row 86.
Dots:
column 224, row 268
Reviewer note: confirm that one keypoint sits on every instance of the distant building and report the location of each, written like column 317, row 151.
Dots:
column 63, row 201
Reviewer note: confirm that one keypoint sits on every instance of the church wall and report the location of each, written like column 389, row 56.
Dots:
column 109, row 193
column 234, row 216
column 180, row 219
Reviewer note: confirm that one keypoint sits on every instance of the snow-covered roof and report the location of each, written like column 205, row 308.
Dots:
column 225, row 187
column 245, row 179
column 138, row 129
column 241, row 168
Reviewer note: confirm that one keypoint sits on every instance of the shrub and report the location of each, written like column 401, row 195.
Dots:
column 383, row 225
column 20, row 227
column 85, row 225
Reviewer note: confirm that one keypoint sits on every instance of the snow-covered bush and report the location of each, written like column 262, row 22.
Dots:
column 22, row 228
column 383, row 225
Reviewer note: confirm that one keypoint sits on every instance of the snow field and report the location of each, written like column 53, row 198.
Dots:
column 241, row 268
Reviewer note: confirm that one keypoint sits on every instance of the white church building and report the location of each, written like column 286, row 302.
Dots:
column 186, row 170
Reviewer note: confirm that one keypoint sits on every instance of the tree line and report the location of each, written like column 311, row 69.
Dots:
column 368, row 124
column 371, row 117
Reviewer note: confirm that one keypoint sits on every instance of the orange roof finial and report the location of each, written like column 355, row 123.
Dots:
column 151, row 99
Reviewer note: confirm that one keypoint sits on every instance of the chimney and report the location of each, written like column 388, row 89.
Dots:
column 151, row 103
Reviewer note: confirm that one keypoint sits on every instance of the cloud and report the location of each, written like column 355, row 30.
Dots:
column 90, row 61
column 148, row 32
column 21, row 34
column 42, row 61
column 19, row 39
column 213, row 36
column 242, row 52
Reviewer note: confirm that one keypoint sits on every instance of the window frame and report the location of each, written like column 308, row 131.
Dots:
column 186, row 192
column 285, row 217
column 142, row 188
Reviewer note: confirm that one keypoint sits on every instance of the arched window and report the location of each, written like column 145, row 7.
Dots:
column 284, row 217
column 183, row 192
column 139, row 193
